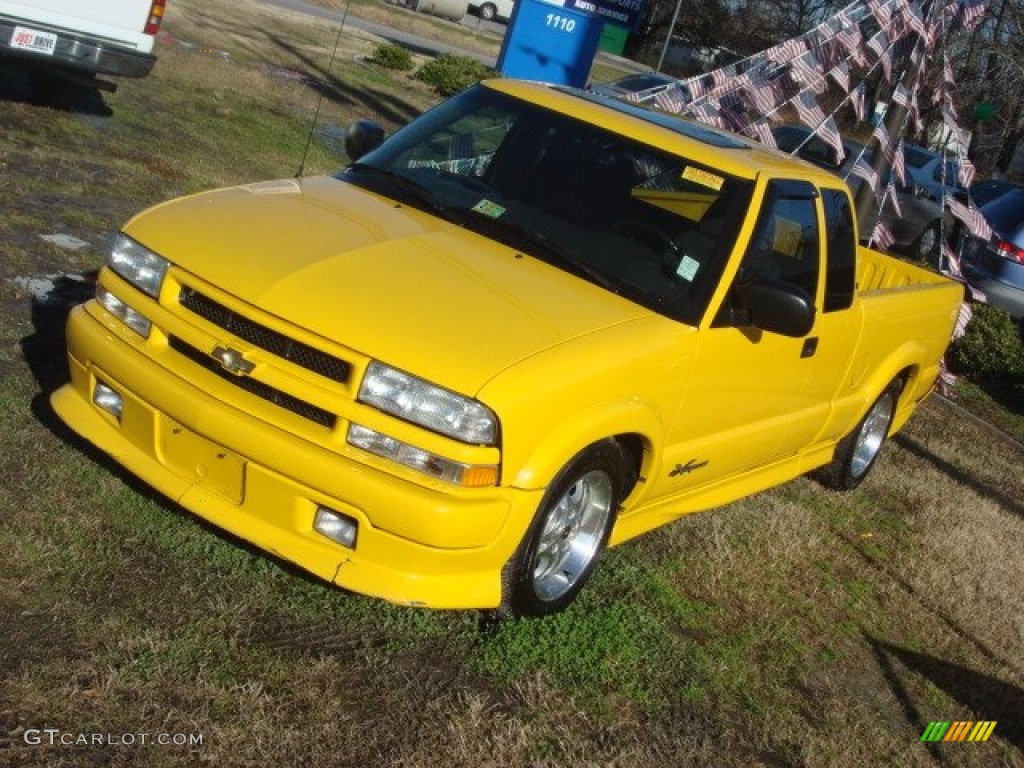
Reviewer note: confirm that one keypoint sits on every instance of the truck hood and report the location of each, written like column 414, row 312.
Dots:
column 383, row 279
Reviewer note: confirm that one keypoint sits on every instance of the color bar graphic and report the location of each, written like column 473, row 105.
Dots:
column 958, row 730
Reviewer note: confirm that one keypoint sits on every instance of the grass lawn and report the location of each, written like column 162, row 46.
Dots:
column 800, row 627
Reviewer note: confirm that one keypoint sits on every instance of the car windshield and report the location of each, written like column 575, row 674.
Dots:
column 916, row 157
column 1005, row 215
column 641, row 82
column 648, row 225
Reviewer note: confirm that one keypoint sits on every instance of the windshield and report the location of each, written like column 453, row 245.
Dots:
column 650, row 226
column 1005, row 215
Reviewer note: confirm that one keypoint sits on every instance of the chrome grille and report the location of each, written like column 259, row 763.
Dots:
column 265, row 338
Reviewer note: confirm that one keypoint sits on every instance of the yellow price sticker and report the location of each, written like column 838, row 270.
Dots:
column 703, row 178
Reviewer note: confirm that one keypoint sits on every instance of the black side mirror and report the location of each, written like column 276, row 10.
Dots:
column 777, row 307
column 361, row 137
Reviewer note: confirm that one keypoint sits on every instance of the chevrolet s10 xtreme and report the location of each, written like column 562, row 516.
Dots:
column 530, row 324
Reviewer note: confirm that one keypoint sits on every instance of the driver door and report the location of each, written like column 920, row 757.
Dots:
column 750, row 402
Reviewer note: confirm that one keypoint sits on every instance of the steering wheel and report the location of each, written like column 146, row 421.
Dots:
column 644, row 233
column 656, row 239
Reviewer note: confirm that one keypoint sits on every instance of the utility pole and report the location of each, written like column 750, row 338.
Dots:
column 668, row 37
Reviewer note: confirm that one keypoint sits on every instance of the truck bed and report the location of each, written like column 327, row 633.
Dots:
column 879, row 272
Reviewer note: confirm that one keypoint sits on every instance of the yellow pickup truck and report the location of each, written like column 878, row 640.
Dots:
column 530, row 324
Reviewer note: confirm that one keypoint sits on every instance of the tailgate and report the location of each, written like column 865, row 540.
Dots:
column 117, row 20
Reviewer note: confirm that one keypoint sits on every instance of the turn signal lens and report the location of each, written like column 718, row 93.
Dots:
column 466, row 475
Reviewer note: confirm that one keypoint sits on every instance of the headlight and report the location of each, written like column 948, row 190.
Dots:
column 138, row 265
column 413, row 399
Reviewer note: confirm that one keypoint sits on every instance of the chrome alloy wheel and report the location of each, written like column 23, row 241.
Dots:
column 872, row 434
column 572, row 534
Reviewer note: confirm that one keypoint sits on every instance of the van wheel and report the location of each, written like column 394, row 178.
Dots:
column 568, row 534
column 856, row 453
column 488, row 11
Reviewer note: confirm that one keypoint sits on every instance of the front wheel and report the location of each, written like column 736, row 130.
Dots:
column 488, row 11
column 856, row 453
column 571, row 528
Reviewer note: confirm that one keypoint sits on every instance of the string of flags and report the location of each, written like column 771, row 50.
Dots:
column 862, row 38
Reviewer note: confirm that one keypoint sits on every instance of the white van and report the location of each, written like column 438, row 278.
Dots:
column 493, row 10
column 453, row 10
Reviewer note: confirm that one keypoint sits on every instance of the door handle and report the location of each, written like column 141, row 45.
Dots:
column 810, row 347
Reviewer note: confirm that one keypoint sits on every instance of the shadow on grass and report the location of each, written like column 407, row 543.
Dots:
column 1005, row 500
column 323, row 74
column 1007, row 392
column 45, row 353
column 986, row 697
column 321, row 77
column 42, row 87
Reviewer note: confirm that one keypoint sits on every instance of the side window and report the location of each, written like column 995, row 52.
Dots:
column 785, row 245
column 840, row 275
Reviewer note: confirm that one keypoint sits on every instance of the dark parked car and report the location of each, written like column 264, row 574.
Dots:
column 996, row 266
column 642, row 88
column 918, row 226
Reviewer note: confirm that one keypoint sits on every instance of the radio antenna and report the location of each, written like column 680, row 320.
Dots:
column 321, row 89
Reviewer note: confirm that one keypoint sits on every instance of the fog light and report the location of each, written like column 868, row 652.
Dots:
column 107, row 399
column 336, row 527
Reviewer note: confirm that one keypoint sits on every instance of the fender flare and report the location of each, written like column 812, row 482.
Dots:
column 585, row 427
column 904, row 363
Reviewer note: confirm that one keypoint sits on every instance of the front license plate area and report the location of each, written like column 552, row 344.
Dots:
column 203, row 461
column 26, row 39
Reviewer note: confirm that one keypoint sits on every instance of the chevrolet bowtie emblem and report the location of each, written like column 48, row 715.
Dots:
column 232, row 361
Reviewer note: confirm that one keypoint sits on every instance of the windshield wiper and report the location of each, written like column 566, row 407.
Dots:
column 409, row 188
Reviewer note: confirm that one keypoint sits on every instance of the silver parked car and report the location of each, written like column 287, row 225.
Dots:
column 918, row 225
column 933, row 173
column 996, row 266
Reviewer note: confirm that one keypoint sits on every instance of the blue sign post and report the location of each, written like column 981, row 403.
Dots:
column 550, row 42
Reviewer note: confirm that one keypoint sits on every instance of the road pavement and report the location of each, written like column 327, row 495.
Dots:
column 425, row 45
column 414, row 43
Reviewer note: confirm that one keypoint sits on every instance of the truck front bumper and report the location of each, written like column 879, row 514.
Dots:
column 215, row 461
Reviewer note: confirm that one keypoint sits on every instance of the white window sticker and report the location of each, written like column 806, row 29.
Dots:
column 687, row 268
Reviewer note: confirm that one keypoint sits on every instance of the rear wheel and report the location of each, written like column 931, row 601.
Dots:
column 488, row 11
column 857, row 452
column 568, row 534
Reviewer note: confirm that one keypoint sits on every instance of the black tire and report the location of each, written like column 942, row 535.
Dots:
column 857, row 452
column 488, row 11
column 568, row 533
